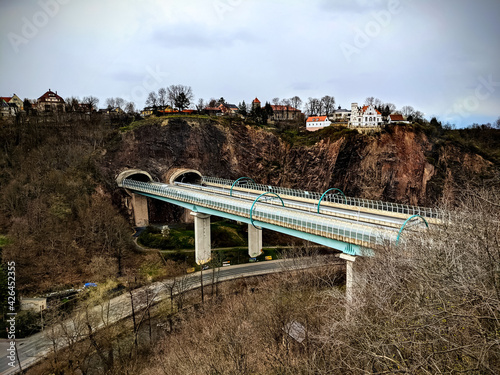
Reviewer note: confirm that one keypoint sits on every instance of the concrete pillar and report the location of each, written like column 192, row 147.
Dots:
column 350, row 276
column 203, row 250
column 140, row 207
column 254, row 241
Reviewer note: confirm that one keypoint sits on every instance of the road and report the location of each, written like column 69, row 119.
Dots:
column 38, row 346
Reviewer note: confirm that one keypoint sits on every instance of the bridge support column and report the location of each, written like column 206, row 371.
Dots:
column 350, row 277
column 140, row 208
column 254, row 241
column 203, row 251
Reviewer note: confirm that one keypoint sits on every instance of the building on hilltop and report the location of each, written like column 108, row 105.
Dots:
column 10, row 105
column 255, row 103
column 340, row 115
column 314, row 123
column 365, row 117
column 51, row 102
column 397, row 118
column 285, row 113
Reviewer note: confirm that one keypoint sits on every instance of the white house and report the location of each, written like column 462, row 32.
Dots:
column 314, row 123
column 365, row 117
column 341, row 114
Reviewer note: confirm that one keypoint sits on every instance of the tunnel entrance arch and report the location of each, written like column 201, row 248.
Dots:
column 185, row 175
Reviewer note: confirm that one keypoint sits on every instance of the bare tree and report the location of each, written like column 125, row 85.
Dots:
column 91, row 101
column 152, row 100
column 200, row 106
column 370, row 100
column 119, row 103
column 328, row 103
column 110, row 102
column 130, row 108
column 407, row 110
column 296, row 102
column 276, row 101
column 180, row 96
column 72, row 103
column 162, row 97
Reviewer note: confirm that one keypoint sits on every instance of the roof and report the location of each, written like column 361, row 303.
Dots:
column 397, row 118
column 342, row 110
column 6, row 98
column 50, row 94
column 256, row 100
column 284, row 108
column 366, row 107
column 316, row 118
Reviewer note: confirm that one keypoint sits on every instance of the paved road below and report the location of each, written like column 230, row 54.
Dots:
column 38, row 346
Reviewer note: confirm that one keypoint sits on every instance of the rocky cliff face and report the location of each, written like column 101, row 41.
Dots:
column 398, row 166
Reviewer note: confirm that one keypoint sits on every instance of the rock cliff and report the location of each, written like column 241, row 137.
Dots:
column 401, row 165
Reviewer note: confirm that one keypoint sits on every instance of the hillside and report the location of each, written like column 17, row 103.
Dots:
column 405, row 164
column 59, row 200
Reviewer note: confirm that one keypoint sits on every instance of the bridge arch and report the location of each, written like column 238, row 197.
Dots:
column 337, row 189
column 134, row 174
column 237, row 183
column 255, row 201
column 191, row 176
column 404, row 225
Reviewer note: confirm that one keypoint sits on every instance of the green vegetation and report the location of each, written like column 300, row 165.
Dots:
column 4, row 241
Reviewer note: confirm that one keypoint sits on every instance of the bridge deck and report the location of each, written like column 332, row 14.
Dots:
column 348, row 226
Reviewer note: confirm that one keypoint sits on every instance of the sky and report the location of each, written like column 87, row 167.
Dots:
column 441, row 57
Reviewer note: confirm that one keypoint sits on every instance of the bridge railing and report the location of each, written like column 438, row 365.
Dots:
column 310, row 223
column 404, row 209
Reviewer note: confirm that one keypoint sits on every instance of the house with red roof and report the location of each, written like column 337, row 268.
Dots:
column 397, row 118
column 365, row 117
column 314, row 123
column 50, row 102
column 284, row 113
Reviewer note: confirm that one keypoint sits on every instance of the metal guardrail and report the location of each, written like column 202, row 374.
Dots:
column 321, row 225
column 336, row 198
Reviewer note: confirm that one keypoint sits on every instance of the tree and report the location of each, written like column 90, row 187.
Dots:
column 152, row 100
column 242, row 109
column 162, row 97
column 370, row 100
column 119, row 103
column 497, row 123
column 91, row 101
column 180, row 96
column 71, row 104
column 181, row 101
column 328, row 103
column 407, row 110
column 130, row 108
column 110, row 103
column 200, row 106
column 276, row 101
column 296, row 102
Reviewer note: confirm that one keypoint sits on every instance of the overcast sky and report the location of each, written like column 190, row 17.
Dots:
column 440, row 56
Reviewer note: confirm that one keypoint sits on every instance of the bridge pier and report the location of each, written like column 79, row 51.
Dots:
column 350, row 276
column 202, row 243
column 254, row 241
column 140, row 208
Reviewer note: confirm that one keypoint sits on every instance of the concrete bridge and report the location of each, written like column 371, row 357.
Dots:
column 356, row 227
